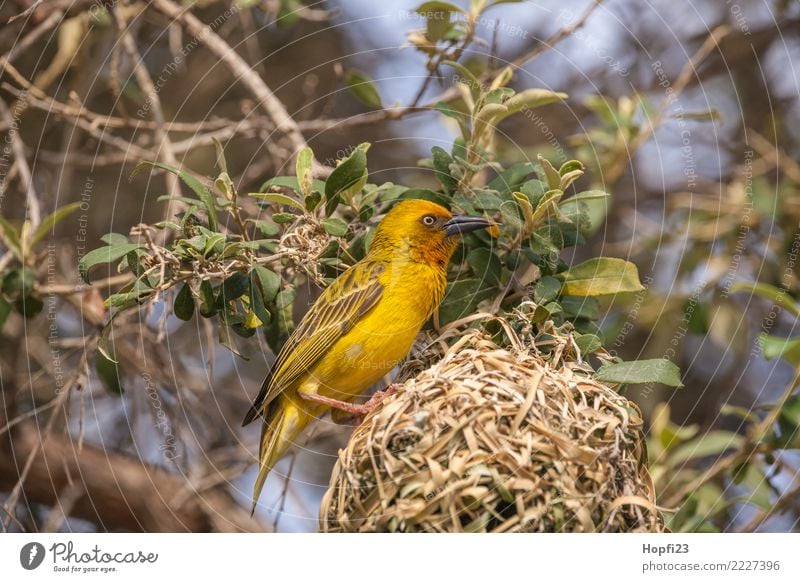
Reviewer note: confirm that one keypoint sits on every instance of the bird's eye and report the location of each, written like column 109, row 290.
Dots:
column 428, row 220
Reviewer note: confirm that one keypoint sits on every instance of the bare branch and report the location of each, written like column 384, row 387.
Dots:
column 241, row 70
column 149, row 88
column 34, row 209
column 34, row 35
column 552, row 41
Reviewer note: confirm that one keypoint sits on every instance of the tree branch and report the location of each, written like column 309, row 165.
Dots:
column 239, row 67
column 121, row 493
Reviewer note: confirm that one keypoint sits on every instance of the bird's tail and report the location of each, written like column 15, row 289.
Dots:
column 282, row 422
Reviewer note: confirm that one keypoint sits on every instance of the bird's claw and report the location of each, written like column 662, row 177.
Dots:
column 348, row 413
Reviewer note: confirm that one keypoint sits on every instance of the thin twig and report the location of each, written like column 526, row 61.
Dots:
column 556, row 38
column 777, row 156
column 30, row 38
column 27, row 12
column 240, row 69
column 786, row 500
column 34, row 209
column 149, row 88
column 682, row 81
column 71, row 289
column 46, row 103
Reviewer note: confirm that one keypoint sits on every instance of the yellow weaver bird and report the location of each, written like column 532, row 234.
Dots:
column 361, row 327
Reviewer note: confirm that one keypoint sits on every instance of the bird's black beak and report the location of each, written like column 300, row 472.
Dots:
column 465, row 224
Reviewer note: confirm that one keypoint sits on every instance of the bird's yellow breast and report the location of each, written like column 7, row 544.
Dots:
column 383, row 337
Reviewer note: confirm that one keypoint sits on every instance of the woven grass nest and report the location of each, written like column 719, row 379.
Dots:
column 495, row 440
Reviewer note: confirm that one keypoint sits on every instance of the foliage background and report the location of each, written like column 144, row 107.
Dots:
column 696, row 140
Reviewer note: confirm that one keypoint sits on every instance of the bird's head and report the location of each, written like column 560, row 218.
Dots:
column 422, row 231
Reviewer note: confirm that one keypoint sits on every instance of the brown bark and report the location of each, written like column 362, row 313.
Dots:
column 119, row 492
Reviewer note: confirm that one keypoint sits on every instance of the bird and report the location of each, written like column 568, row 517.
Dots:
column 360, row 328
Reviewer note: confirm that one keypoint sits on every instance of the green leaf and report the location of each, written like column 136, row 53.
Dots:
column 103, row 255
column 777, row 347
column 527, row 213
column 588, row 343
column 18, row 282
column 713, row 442
column 270, row 282
column 486, row 118
column 511, row 179
column 222, row 164
column 485, row 265
column 363, row 88
column 591, row 207
column 52, row 220
column 790, row 411
column 312, row 202
column 225, row 339
column 441, row 165
column 305, row 179
column 184, row 303
column 347, row 178
column 509, row 212
column 544, row 312
column 437, row 24
column 114, row 238
column 207, row 302
column 487, row 200
column 551, row 175
column 10, row 237
column 774, row 294
column 569, row 167
column 546, row 289
column 224, row 184
column 436, row 5
column 29, row 305
column 256, row 295
column 658, row 371
column 461, row 298
column 214, row 244
column 586, row 307
column 535, row 190
column 467, row 78
column 498, row 94
column 267, row 227
column 568, row 178
column 547, row 206
column 530, row 99
column 108, row 372
column 335, row 226
column 283, row 217
column 131, row 294
column 289, row 182
column 232, row 288
column 760, row 493
column 281, row 199
column 448, row 111
column 200, row 189
column 601, row 276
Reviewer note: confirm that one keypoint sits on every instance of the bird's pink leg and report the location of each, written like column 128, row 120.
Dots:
column 348, row 407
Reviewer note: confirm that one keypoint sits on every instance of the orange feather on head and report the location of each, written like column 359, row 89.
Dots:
column 415, row 227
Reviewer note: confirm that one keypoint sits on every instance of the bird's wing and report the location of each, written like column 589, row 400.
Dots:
column 335, row 313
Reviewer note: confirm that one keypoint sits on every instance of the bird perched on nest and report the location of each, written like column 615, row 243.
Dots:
column 361, row 327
